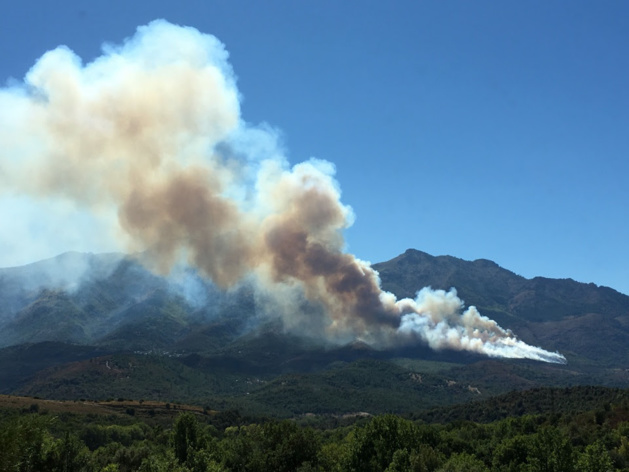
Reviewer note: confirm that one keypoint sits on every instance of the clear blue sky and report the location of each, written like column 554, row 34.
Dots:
column 485, row 129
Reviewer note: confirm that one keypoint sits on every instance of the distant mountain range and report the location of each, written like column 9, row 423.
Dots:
column 89, row 326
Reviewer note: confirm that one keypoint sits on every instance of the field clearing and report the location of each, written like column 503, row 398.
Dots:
column 114, row 407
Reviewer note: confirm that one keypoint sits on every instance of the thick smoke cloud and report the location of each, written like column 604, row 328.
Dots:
column 149, row 137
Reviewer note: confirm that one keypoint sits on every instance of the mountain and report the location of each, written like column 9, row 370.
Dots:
column 106, row 300
column 22, row 285
column 587, row 323
column 103, row 326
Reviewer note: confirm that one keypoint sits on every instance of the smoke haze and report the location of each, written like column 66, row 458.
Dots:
column 148, row 138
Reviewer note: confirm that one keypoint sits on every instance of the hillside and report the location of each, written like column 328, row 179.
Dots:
column 576, row 429
column 587, row 323
column 108, row 328
column 108, row 300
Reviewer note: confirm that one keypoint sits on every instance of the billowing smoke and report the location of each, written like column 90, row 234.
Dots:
column 149, row 138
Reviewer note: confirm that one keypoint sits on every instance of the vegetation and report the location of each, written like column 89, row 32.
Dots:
column 35, row 439
column 373, row 385
column 536, row 401
column 132, row 334
column 337, row 409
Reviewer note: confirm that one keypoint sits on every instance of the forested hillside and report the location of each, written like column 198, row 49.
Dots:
column 118, row 332
column 103, row 326
column 592, row 437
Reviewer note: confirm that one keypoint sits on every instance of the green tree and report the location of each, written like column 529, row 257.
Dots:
column 287, row 445
column 551, row 451
column 110, row 468
column 463, row 462
column 595, row 458
column 335, row 454
column 187, row 436
column 162, row 463
column 374, row 445
column 24, row 443
column 127, row 459
column 423, row 459
column 401, row 461
column 272, row 446
column 68, row 455
column 511, row 454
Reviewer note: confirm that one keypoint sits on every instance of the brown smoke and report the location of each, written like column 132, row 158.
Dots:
column 187, row 213
column 151, row 132
column 303, row 242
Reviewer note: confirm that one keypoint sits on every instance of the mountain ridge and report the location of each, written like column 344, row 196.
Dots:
column 539, row 310
column 220, row 339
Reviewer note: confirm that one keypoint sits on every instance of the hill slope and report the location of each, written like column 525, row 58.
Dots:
column 587, row 323
column 181, row 339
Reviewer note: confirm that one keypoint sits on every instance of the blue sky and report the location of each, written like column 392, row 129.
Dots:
column 496, row 130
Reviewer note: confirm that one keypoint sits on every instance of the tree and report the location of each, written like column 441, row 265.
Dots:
column 69, row 454
column 374, row 445
column 423, row 459
column 463, row 462
column 595, row 458
column 272, row 446
column 24, row 443
column 551, row 451
column 186, row 436
column 511, row 453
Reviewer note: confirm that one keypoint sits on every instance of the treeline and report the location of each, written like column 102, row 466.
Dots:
column 536, row 401
column 592, row 441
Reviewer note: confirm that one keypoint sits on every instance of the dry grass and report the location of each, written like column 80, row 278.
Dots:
column 139, row 408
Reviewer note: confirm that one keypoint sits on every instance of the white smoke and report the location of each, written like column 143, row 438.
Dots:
column 148, row 139
column 437, row 318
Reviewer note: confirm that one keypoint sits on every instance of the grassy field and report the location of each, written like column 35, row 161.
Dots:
column 138, row 408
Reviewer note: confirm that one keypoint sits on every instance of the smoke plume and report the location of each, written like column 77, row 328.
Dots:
column 149, row 137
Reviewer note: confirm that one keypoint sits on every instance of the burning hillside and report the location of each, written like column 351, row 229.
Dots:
column 149, row 136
